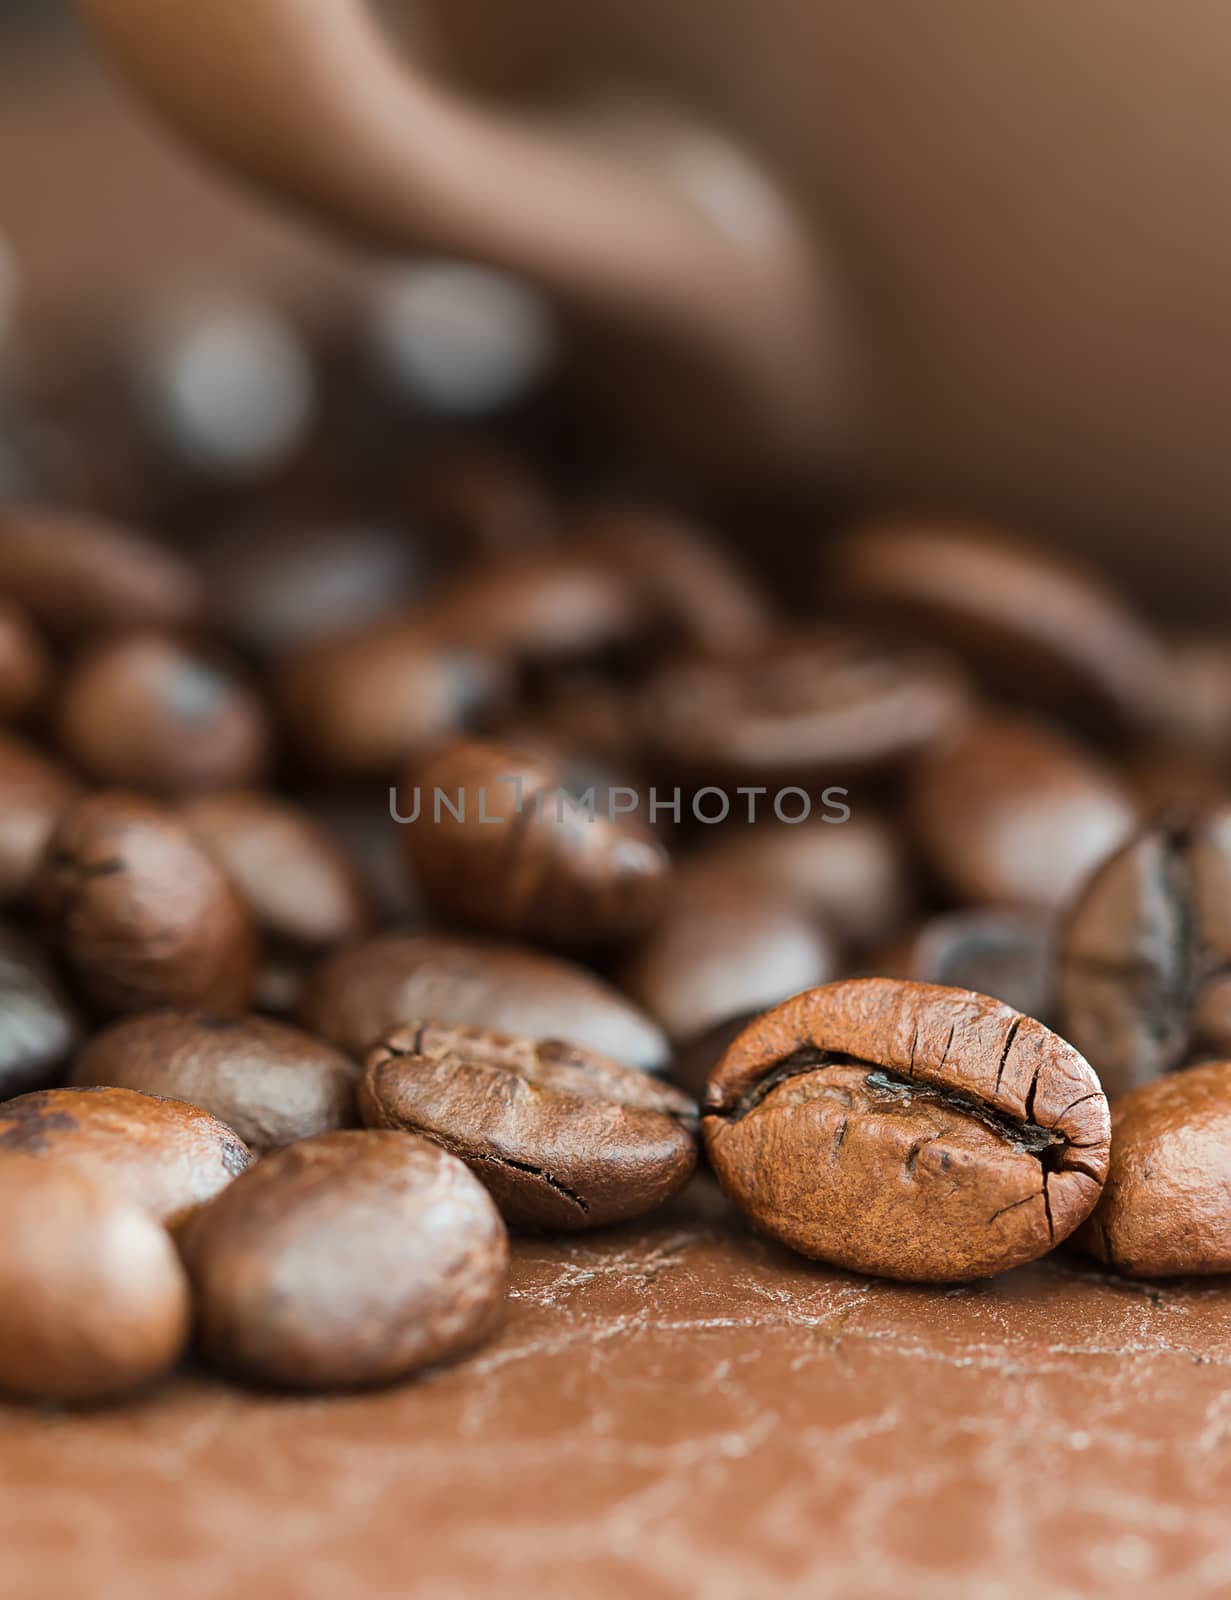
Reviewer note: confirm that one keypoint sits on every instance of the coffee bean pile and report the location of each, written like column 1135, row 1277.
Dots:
column 415, row 837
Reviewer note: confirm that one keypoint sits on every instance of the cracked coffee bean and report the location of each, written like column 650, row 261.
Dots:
column 827, row 706
column 907, row 1131
column 39, row 1028
column 361, row 995
column 522, row 856
column 140, row 911
column 1166, row 1209
column 150, row 712
column 1034, row 624
column 165, row 1156
column 271, row 1083
column 35, row 792
column 560, row 1136
column 354, row 1258
column 93, row 1299
column 1145, row 960
column 25, row 666
column 77, row 575
column 1012, row 812
column 1009, row 955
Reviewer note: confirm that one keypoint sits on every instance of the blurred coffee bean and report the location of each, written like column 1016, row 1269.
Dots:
column 93, row 1300
column 75, row 574
column 271, row 1083
column 693, row 590
column 35, row 791
column 582, row 711
column 1011, row 812
column 1200, row 720
column 828, row 707
column 855, row 876
column 151, row 712
column 39, row 1029
column 164, row 1156
column 25, row 666
column 360, row 995
column 726, row 947
column 225, row 384
column 559, row 1136
column 693, row 1062
column 481, row 502
column 1009, row 955
column 503, row 841
column 1036, row 624
column 1161, row 777
column 368, row 835
column 359, row 705
column 276, row 587
column 1146, row 951
column 140, row 911
column 300, row 885
column 352, row 1258
column 454, row 339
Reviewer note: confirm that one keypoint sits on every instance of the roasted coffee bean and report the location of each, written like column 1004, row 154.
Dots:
column 855, row 876
column 539, row 609
column 1166, row 1209
column 560, row 1136
column 907, row 1130
column 825, row 707
column 277, row 588
column 481, row 502
column 1007, row 954
column 163, row 1155
column 141, row 912
column 1012, row 813
column 76, row 575
column 360, row 995
column 25, row 666
column 147, row 711
column 1031, row 622
column 271, row 1083
column 727, row 946
column 353, row 1258
column 35, row 792
column 359, row 705
column 689, row 587
column 300, row 885
column 93, row 1300
column 513, row 848
column 38, row 1025
column 1145, row 960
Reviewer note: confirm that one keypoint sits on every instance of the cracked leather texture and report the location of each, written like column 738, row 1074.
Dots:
column 677, row 1408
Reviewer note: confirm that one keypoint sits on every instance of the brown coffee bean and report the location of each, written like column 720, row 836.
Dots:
column 727, row 946
column 360, row 996
column 560, row 1136
column 513, row 849
column 300, row 885
column 481, row 502
column 1007, row 954
column 140, row 911
column 1166, row 1210
column 688, row 585
column 35, row 792
column 359, row 705
column 1011, row 812
column 93, row 1300
column 1161, row 778
column 163, row 1155
column 907, row 1130
column 74, row 574
column 39, row 1028
column 1143, row 970
column 1033, row 623
column 147, row 711
column 353, row 1258
column 25, row 666
column 854, row 876
column 271, row 1083
column 1200, row 714
column 825, row 707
